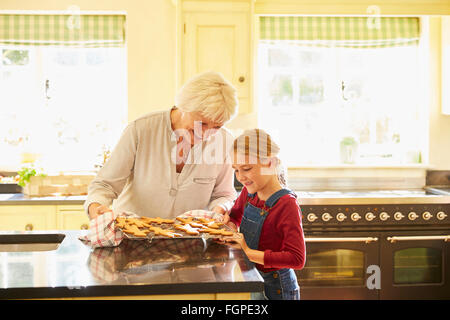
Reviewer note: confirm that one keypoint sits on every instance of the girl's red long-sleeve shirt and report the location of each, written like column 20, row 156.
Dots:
column 282, row 234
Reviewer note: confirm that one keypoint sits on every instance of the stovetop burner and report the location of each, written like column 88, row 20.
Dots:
column 374, row 208
column 356, row 197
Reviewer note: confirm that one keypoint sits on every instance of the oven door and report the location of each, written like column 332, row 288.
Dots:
column 415, row 265
column 336, row 266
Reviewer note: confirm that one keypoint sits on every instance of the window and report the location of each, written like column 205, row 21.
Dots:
column 60, row 107
column 63, row 91
column 330, row 105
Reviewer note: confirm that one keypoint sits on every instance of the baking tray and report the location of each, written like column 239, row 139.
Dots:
column 169, row 226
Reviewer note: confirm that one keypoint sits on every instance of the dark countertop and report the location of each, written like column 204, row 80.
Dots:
column 172, row 266
column 21, row 199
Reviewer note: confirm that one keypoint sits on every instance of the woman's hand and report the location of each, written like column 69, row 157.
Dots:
column 95, row 209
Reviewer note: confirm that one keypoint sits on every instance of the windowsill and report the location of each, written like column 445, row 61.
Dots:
column 362, row 166
column 357, row 177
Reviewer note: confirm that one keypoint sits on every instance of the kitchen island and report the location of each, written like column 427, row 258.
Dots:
column 161, row 269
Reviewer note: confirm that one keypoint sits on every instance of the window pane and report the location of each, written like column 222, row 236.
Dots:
column 328, row 95
column 418, row 265
column 279, row 58
column 281, row 90
column 15, row 57
column 75, row 107
column 311, row 90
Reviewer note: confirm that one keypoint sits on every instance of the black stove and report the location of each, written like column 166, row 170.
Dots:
column 404, row 235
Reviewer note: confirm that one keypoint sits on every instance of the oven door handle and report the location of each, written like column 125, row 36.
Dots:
column 343, row 239
column 417, row 238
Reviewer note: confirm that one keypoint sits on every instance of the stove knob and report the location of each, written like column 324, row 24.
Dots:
column 426, row 215
column 311, row 217
column 327, row 217
column 441, row 215
column 341, row 217
column 384, row 216
column 412, row 216
column 355, row 216
column 398, row 216
column 370, row 216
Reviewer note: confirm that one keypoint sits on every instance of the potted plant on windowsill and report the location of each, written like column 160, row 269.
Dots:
column 348, row 150
column 37, row 184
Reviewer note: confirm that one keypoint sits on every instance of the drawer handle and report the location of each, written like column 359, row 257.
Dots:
column 417, row 238
column 84, row 226
column 29, row 227
column 346, row 239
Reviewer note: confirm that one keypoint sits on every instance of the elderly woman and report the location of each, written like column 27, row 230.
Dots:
column 162, row 165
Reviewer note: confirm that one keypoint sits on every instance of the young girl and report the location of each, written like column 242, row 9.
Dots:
column 268, row 215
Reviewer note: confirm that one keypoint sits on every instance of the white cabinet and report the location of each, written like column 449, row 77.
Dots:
column 217, row 37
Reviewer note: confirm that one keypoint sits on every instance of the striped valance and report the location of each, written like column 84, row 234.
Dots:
column 63, row 30
column 353, row 32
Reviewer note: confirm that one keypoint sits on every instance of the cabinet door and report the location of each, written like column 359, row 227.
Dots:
column 445, row 64
column 27, row 218
column 215, row 41
column 72, row 218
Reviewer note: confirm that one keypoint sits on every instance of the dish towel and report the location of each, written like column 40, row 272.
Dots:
column 102, row 232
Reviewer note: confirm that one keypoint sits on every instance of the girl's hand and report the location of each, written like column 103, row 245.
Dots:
column 232, row 226
column 237, row 242
column 225, row 214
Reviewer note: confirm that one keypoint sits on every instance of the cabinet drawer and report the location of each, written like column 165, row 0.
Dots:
column 72, row 218
column 27, row 218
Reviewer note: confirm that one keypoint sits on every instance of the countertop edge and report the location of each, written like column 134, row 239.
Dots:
column 130, row 290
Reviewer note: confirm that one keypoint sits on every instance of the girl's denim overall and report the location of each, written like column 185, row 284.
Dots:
column 281, row 284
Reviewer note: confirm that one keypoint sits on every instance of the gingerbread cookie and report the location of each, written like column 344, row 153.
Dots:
column 166, row 233
column 134, row 230
column 188, row 229
column 217, row 231
column 120, row 222
column 158, row 220
column 138, row 222
column 196, row 225
column 212, row 224
column 185, row 220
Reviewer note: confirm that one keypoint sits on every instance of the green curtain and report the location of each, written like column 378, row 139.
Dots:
column 63, row 30
column 352, row 32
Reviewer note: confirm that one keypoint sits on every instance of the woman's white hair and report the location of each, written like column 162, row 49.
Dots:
column 209, row 94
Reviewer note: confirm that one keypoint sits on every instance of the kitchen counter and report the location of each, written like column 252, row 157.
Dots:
column 163, row 269
column 21, row 199
column 426, row 195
